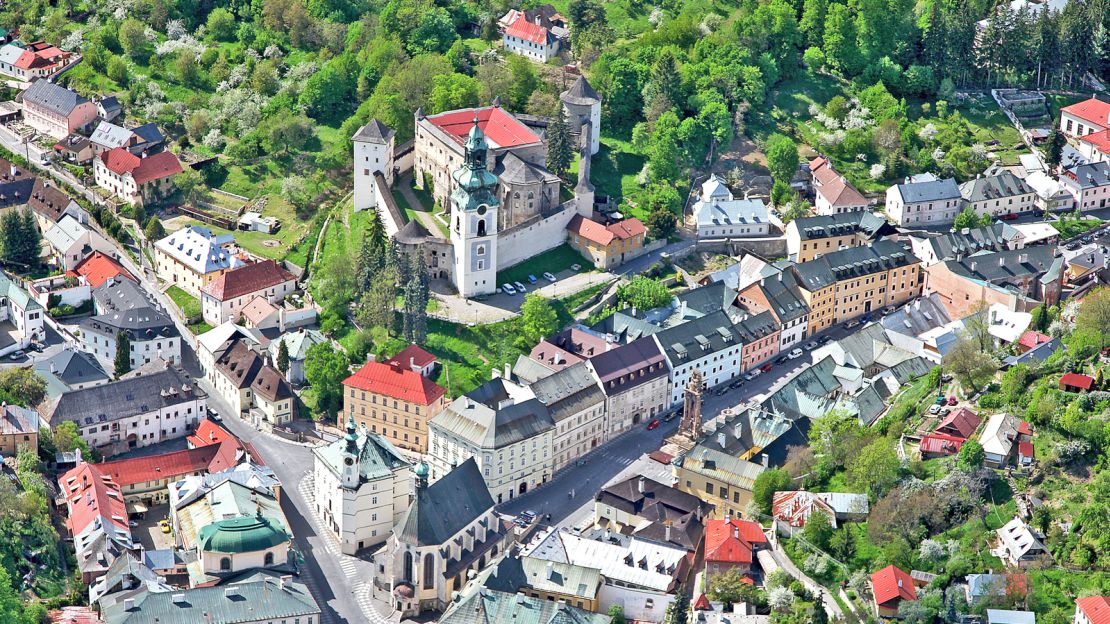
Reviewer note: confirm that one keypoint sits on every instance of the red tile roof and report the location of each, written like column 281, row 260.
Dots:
column 143, row 170
column 1076, row 380
column 523, row 29
column 1096, row 608
column 732, row 541
column 1024, row 428
column 891, row 584
column 833, row 186
column 960, row 423
column 627, row 228
column 603, row 235
column 156, row 467
column 119, row 161
column 1032, row 339
column 1025, row 449
column 98, row 268
column 90, row 495
column 208, row 432
column 501, row 128
column 702, row 603
column 1093, row 111
column 941, row 444
column 1100, row 140
column 396, row 381
column 413, row 355
column 248, row 279
column 794, row 507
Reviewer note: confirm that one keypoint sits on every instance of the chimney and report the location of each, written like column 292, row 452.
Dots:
column 721, row 439
column 640, row 484
column 550, row 570
column 1022, row 258
column 973, row 263
column 128, row 604
column 1002, row 261
column 666, row 532
column 284, row 581
column 370, row 357
column 508, row 371
column 735, row 532
column 766, row 460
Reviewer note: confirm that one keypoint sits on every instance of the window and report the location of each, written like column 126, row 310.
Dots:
column 225, row 563
column 429, row 571
column 269, row 559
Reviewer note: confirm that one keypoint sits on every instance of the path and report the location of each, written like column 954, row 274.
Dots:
column 423, row 216
column 831, row 605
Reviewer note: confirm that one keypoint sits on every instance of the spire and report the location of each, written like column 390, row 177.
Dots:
column 352, row 436
column 421, row 472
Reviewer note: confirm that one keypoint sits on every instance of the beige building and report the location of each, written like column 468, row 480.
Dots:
column 718, row 478
column 577, row 406
column 810, row 237
column 634, row 379
column 998, row 195
column 395, row 399
column 846, row 284
column 192, row 257
column 18, row 427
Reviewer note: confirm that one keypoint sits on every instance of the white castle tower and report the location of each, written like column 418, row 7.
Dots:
column 474, row 219
column 583, row 104
column 373, row 154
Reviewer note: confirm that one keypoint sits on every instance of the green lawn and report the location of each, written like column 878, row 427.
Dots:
column 199, row 328
column 613, row 170
column 989, row 123
column 189, row 305
column 1074, row 227
column 558, row 259
column 791, row 101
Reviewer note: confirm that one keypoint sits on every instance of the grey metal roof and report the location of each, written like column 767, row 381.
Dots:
column 638, row 362
column 1036, row 355
column 145, row 323
column 856, row 222
column 580, row 93
column 782, row 293
column 918, row 317
column 528, row 370
column 625, row 326
column 1000, row 186
column 120, row 294
column 968, row 241
column 444, row 508
column 125, row 398
column 939, row 190
column 1087, row 176
column 709, row 298
column 512, row 168
column 569, row 391
column 73, row 367
column 756, row 327
column 698, row 338
column 377, row 458
column 486, row 606
column 148, row 135
column 490, row 417
column 412, row 233
column 1003, row 266
column 852, row 262
column 49, row 95
column 374, row 132
column 110, row 135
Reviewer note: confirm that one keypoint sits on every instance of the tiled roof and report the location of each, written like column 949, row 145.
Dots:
column 1100, row 140
column 247, row 279
column 1000, row 186
column 142, row 170
column 48, row 95
column 90, row 496
column 938, row 190
column 523, row 29
column 48, row 200
column 834, row 187
column 1031, row 339
column 502, row 130
column 1096, row 608
column 99, row 268
column 396, row 381
column 1090, row 175
column 628, row 362
column 72, row 367
column 163, row 466
column 941, row 444
column 732, row 541
column 413, row 355
column 962, row 422
column 374, row 132
column 852, row 262
column 444, row 508
column 1076, row 380
column 892, row 583
column 271, row 385
column 127, row 397
column 1093, row 110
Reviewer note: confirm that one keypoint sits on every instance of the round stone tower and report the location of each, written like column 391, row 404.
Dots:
column 582, row 105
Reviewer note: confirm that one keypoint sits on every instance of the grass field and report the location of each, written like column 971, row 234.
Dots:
column 556, row 260
column 613, row 170
column 1074, row 227
column 189, row 305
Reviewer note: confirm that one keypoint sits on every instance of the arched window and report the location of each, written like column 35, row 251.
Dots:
column 269, row 559
column 225, row 563
column 429, row 571
column 406, row 573
column 531, row 195
column 482, row 227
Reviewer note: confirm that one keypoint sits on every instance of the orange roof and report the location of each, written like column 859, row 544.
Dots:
column 603, row 235
column 523, row 29
column 156, row 467
column 154, row 167
column 1100, row 140
column 90, row 494
column 1075, row 380
column 1094, row 111
column 396, row 381
column 891, row 584
column 502, row 130
column 247, row 279
column 1096, row 608
column 627, row 228
column 208, row 432
column 833, row 186
column 732, row 541
column 98, row 268
column 413, row 355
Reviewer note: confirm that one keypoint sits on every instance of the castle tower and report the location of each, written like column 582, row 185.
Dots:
column 583, row 104
column 373, row 153
column 584, row 190
column 474, row 207
column 350, row 456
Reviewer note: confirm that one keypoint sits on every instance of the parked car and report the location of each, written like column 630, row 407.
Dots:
column 165, row 525
column 548, row 276
column 888, row 310
column 934, row 409
column 736, row 384
column 824, row 340
column 531, row 279
column 945, row 378
column 670, row 416
column 654, row 424
column 508, row 289
column 811, row 345
column 944, row 411
column 781, row 359
column 952, row 400
column 37, row 347
column 15, row 356
column 795, row 354
column 766, row 368
column 851, row 324
column 132, row 523
column 576, row 267
column 520, row 287
column 750, row 375
column 1010, row 216
column 941, row 400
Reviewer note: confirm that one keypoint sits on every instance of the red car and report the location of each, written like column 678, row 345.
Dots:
column 654, row 424
column 952, row 400
column 767, row 367
column 1009, row 217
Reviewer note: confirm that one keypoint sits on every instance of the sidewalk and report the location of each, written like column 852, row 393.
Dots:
column 781, row 558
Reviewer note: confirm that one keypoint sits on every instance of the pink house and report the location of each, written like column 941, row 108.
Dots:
column 760, row 334
column 56, row 111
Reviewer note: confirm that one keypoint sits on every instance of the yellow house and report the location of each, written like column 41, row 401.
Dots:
column 717, row 478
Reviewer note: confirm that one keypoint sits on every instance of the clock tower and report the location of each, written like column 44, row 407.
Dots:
column 474, row 206
column 349, row 471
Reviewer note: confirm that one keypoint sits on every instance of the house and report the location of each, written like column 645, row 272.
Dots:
column 504, row 428
column 135, row 179
column 72, row 242
column 193, row 256
column 214, row 344
column 50, row 204
column 395, row 401
column 70, row 369
column 449, row 530
column 934, row 202
column 99, row 268
column 998, row 195
column 719, row 215
column 551, row 581
column 995, row 585
column 1088, row 262
column 709, row 344
column 760, row 334
column 19, row 426
column 1031, row 340
column 1018, row 544
column 955, row 245
column 1096, row 146
column 832, row 193
column 1089, row 185
column 362, row 487
column 731, row 544
column 634, row 379
column 577, row 408
column 1052, row 195
column 96, row 519
column 793, row 508
column 961, row 423
column 1092, row 610
column 1075, row 382
column 1017, row 279
column 777, row 293
column 606, row 246
column 536, row 33
column 1000, row 438
column 56, row 111
column 511, row 606
column 109, row 108
column 890, row 587
column 251, row 385
column 223, row 298
column 939, row 445
column 651, row 510
column 75, row 149
column 16, row 185
column 32, row 61
column 108, row 136
column 147, row 406
column 809, row 237
column 1086, row 117
column 151, row 333
column 842, row 285
column 1034, row 356
column 21, row 317
column 297, row 344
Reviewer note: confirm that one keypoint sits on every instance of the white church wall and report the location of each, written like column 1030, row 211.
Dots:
column 525, row 241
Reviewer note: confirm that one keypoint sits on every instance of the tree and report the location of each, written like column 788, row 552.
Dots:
column 185, row 67
column 328, row 93
column 190, row 183
column 875, row 469
column 814, row 59
column 133, row 41
column 663, row 91
column 616, row 614
column 971, row 456
column 840, row 42
column 154, row 230
column 415, row 317
column 66, row 438
column 117, row 71
column 123, row 354
column 539, row 318
column 221, row 24
column 524, row 81
column 325, row 368
column 283, row 357
column 1094, row 313
column 643, row 293
column 665, row 156
column 24, row 385
column 782, row 157
column 453, row 91
column 818, row 530
column 970, row 363
column 812, row 24
column 20, row 237
column 661, row 222
column 766, row 484
column 1055, row 148
column 966, row 219
column 732, row 586
column 678, row 612
column 375, row 307
column 560, row 150
column 819, row 615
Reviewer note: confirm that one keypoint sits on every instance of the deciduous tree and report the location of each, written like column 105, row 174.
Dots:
column 325, row 368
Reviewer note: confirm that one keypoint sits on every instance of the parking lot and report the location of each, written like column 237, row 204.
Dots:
column 147, row 531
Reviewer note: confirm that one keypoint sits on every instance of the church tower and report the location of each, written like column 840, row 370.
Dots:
column 474, row 206
column 349, row 477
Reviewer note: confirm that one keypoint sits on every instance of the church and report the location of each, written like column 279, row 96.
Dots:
column 487, row 168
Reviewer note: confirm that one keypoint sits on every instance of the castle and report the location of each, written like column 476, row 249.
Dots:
column 487, row 167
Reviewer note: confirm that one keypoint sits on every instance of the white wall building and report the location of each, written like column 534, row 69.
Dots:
column 933, row 202
column 373, row 146
column 224, row 298
column 998, row 195
column 21, row 310
column 1089, row 185
column 710, row 344
column 193, row 256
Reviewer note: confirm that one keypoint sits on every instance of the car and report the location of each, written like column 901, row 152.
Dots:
column 795, row 354
column 750, row 375
column 941, row 400
column 944, row 411
column 888, row 310
column 952, row 401
column 721, row 391
column 933, row 409
column 946, row 378
column 576, row 267
column 654, row 424
column 781, row 359
column 548, row 276
column 851, row 324
column 736, row 384
column 824, row 340
column 531, row 279
column 766, row 368
column 132, row 523
column 671, row 415
column 15, row 356
column 520, row 287
column 45, row 160
column 866, row 318
column 165, row 525
column 810, row 346
column 528, row 515
column 508, row 289
column 37, row 347
column 1010, row 216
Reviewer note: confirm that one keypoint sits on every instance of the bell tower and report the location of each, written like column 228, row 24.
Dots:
column 349, row 474
column 473, row 226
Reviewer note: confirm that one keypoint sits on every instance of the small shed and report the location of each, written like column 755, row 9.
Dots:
column 1075, row 382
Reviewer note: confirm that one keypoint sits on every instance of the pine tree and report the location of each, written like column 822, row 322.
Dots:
column 1055, row 148
column 283, row 357
column 663, row 91
column 559, row 150
column 20, row 237
column 123, row 354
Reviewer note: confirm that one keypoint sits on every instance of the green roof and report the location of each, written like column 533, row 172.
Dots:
column 485, row 605
column 243, row 534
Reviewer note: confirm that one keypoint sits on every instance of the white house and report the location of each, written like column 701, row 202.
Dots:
column 72, row 242
column 193, row 256
column 152, row 336
column 1085, row 117
column 362, row 486
column 1051, row 194
column 999, row 439
column 23, row 312
column 832, row 194
column 709, row 344
column 529, row 39
column 1089, row 185
column 1096, row 146
column 735, row 218
column 223, row 298
column 373, row 155
column 932, row 202
column 998, row 195
column 1018, row 543
column 135, row 179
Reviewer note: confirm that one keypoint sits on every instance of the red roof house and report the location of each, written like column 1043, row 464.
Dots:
column 1026, row 453
column 1074, row 382
column 890, row 587
column 731, row 544
column 1031, row 340
column 136, row 179
column 961, row 423
column 1092, row 610
column 224, row 298
column 99, row 268
column 606, row 245
column 940, row 445
column 527, row 31
column 96, row 518
column 399, row 382
column 1093, row 111
column 1095, row 143
column 417, row 359
column 832, row 187
column 502, row 130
